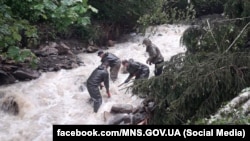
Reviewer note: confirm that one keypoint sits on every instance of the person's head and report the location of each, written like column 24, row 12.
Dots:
column 147, row 42
column 100, row 53
column 125, row 62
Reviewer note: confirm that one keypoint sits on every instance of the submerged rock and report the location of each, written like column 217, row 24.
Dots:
column 122, row 108
column 9, row 105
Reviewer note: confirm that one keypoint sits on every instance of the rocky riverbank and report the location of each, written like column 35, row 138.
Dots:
column 52, row 56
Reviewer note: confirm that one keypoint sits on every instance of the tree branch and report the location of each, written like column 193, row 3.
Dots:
column 212, row 35
column 237, row 37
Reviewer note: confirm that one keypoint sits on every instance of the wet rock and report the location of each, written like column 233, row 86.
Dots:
column 52, row 56
column 2, row 95
column 55, row 63
column 138, row 117
column 26, row 74
column 6, row 78
column 63, row 49
column 117, row 119
column 126, row 114
column 47, row 50
column 80, row 62
column 82, row 88
column 111, row 43
column 91, row 49
column 8, row 67
column 122, row 108
column 9, row 105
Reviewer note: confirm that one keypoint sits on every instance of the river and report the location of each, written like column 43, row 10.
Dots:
column 61, row 98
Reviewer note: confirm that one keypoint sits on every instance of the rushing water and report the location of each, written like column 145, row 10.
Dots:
column 56, row 97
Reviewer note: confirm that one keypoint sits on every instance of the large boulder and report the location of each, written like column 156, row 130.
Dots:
column 122, row 108
column 26, row 74
column 117, row 119
column 6, row 78
column 9, row 105
column 126, row 114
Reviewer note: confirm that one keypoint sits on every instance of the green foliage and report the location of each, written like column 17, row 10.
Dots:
column 70, row 12
column 117, row 11
column 213, row 71
column 234, row 117
column 16, row 18
column 214, row 37
column 236, row 9
column 61, row 13
column 22, row 55
column 116, row 17
column 54, row 19
column 166, row 11
column 11, row 36
column 196, row 85
column 235, row 112
column 205, row 7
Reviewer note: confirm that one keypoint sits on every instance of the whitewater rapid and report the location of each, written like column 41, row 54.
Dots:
column 61, row 97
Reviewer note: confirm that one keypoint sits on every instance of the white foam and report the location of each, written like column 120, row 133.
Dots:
column 55, row 97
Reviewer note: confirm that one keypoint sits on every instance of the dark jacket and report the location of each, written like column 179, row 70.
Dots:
column 136, row 69
column 110, row 59
column 154, row 54
column 99, row 75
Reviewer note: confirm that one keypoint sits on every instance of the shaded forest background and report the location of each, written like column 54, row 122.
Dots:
column 193, row 86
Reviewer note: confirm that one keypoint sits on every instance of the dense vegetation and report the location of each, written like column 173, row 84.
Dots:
column 26, row 24
column 193, row 86
column 213, row 71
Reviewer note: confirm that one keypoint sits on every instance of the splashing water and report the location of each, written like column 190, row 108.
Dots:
column 56, row 97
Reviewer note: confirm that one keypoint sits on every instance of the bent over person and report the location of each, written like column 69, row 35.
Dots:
column 135, row 69
column 113, row 61
column 98, row 76
column 155, row 56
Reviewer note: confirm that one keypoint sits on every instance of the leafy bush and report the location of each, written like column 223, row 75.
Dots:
column 237, row 9
column 194, row 86
column 166, row 11
column 205, row 7
column 61, row 13
column 17, row 17
column 11, row 37
column 116, row 17
column 218, row 36
column 234, row 112
column 213, row 71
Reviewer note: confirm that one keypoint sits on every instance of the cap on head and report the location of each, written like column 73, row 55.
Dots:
column 100, row 52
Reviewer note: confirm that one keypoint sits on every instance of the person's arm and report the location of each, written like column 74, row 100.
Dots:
column 106, row 83
column 128, row 78
column 152, row 54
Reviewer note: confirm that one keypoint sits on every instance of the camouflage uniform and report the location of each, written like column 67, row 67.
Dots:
column 137, row 69
column 99, row 75
column 155, row 56
column 114, row 62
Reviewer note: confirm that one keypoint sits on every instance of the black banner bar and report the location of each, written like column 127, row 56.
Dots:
column 239, row 132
